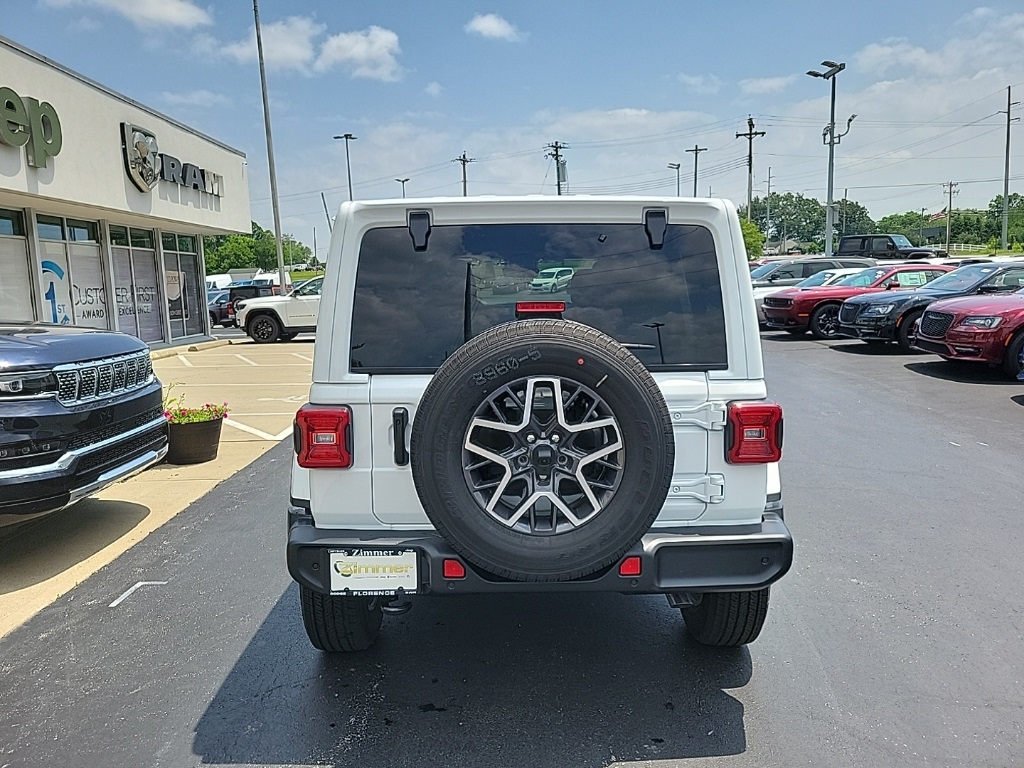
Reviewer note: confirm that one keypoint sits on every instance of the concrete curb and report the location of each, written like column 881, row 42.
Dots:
column 160, row 354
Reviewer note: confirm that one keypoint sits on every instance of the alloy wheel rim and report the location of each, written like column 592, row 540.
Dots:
column 543, row 455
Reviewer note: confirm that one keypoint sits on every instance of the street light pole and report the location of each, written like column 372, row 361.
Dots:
column 348, row 164
column 830, row 137
column 1006, row 171
column 270, row 149
column 402, row 182
column 675, row 167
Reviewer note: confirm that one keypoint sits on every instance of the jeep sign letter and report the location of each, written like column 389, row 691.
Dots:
column 31, row 124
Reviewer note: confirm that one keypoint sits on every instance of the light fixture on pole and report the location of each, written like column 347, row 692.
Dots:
column 348, row 164
column 675, row 167
column 831, row 138
column 402, row 182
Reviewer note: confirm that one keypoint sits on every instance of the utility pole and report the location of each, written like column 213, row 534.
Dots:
column 675, row 167
column 402, row 182
column 1006, row 169
column 768, row 206
column 750, row 135
column 465, row 161
column 270, row 148
column 951, row 187
column 315, row 260
column 920, row 231
column 696, row 153
column 556, row 153
column 846, row 193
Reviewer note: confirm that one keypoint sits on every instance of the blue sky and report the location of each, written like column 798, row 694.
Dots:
column 628, row 86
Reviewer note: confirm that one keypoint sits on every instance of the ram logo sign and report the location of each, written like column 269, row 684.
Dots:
column 146, row 165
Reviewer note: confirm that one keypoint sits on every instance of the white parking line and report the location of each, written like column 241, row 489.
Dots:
column 127, row 593
column 185, row 361
column 302, row 357
column 246, row 360
column 259, row 432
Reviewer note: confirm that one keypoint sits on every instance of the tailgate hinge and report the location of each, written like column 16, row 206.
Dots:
column 711, row 416
column 710, row 489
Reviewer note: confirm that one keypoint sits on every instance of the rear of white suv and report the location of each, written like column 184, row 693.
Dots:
column 615, row 436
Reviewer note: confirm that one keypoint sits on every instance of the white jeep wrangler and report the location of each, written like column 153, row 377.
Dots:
column 614, row 437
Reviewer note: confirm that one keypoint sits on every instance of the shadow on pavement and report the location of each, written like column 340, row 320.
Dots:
column 863, row 348
column 512, row 680
column 966, row 373
column 1018, row 399
column 41, row 549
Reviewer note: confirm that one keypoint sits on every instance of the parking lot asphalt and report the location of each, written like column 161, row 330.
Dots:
column 264, row 385
column 895, row 639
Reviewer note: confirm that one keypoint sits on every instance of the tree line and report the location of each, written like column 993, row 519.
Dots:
column 257, row 250
column 802, row 219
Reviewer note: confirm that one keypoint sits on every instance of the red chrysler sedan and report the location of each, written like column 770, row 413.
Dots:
column 817, row 309
column 982, row 329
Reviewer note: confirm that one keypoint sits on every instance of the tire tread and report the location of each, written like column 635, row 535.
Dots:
column 727, row 619
column 337, row 624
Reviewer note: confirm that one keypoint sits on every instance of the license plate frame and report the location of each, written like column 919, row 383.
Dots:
column 371, row 572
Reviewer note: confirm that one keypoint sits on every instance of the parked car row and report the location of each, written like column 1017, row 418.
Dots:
column 973, row 313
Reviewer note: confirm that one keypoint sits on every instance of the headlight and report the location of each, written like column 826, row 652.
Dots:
column 239, row 306
column 28, row 384
column 879, row 309
column 985, row 322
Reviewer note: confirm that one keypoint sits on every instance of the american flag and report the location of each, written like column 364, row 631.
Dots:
column 936, row 216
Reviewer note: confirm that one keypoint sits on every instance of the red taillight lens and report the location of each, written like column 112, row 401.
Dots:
column 231, row 311
column 631, row 566
column 323, row 436
column 540, row 307
column 453, row 569
column 754, row 433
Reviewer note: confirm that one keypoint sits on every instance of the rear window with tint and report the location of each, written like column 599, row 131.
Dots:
column 413, row 309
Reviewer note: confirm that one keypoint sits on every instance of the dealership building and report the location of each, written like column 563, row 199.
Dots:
column 103, row 204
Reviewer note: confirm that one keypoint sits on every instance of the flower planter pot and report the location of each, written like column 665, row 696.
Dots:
column 193, row 443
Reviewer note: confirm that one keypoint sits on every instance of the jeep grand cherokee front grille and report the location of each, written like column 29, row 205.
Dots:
column 96, row 379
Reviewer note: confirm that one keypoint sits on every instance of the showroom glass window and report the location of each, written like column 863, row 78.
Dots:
column 185, row 306
column 72, row 272
column 15, row 273
column 136, row 290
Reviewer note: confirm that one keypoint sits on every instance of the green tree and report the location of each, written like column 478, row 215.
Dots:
column 911, row 224
column 255, row 250
column 753, row 239
column 236, row 252
column 852, row 218
column 793, row 217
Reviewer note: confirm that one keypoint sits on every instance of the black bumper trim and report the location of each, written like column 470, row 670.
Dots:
column 725, row 560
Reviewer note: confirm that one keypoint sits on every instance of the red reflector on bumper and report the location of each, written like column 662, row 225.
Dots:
column 631, row 566
column 453, row 569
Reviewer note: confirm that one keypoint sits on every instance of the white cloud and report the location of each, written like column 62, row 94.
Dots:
column 706, row 84
column 369, row 53
column 197, row 98
column 766, row 84
column 433, row 89
column 294, row 44
column 493, row 26
column 143, row 13
column 287, row 44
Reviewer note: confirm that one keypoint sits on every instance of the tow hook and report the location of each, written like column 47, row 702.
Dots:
column 396, row 605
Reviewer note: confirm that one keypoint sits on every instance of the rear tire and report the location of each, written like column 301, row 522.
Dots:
column 1011, row 362
column 263, row 329
column 727, row 619
column 337, row 624
column 907, row 332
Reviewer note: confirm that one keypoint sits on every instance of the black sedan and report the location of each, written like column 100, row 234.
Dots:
column 893, row 316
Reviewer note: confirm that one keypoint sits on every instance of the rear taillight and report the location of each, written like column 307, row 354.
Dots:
column 323, row 436
column 230, row 308
column 754, row 433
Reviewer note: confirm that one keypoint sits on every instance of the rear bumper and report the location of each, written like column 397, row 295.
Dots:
column 726, row 560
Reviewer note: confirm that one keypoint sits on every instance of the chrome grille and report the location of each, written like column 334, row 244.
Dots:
column 771, row 301
column 82, row 382
column 935, row 324
column 848, row 313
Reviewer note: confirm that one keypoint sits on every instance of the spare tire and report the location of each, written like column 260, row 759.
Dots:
column 542, row 450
